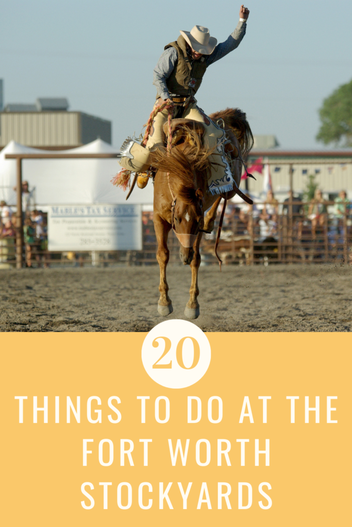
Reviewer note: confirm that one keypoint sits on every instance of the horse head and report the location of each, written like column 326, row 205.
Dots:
column 187, row 220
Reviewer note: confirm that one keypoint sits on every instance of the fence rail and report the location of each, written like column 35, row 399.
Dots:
column 247, row 238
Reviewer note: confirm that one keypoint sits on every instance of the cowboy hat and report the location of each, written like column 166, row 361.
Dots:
column 200, row 40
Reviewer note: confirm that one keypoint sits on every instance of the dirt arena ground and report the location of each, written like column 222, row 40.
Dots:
column 274, row 298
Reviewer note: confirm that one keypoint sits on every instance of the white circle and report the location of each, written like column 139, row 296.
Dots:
column 176, row 354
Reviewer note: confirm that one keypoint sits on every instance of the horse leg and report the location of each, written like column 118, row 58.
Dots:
column 209, row 219
column 162, row 229
column 192, row 307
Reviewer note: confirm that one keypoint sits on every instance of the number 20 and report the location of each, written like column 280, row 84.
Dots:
column 179, row 353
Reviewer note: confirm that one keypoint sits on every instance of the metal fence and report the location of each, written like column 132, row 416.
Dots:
column 286, row 238
column 247, row 238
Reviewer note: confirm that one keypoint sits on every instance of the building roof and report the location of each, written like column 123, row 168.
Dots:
column 42, row 104
column 278, row 153
column 19, row 107
column 48, row 104
column 265, row 141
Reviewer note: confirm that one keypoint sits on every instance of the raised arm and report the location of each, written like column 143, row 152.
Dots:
column 233, row 40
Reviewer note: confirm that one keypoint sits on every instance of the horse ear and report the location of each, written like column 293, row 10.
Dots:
column 199, row 193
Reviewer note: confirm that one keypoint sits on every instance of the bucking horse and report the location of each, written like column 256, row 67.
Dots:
column 182, row 200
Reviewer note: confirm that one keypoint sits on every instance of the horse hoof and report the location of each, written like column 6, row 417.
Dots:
column 192, row 312
column 164, row 311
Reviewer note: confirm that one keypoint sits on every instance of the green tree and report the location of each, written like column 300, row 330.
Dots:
column 336, row 117
column 309, row 191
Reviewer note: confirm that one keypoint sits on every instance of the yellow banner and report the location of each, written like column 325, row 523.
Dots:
column 89, row 438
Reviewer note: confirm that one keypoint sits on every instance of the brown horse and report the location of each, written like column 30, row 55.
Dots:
column 181, row 195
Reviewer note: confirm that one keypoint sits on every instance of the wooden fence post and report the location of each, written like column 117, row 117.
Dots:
column 19, row 217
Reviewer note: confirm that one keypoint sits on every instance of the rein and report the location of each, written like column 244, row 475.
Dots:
column 173, row 204
column 219, row 233
column 170, row 108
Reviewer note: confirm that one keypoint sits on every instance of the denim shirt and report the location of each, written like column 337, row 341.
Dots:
column 168, row 59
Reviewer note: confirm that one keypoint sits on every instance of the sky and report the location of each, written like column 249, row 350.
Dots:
column 101, row 56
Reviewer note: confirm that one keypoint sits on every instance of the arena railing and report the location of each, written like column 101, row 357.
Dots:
column 331, row 242
column 244, row 241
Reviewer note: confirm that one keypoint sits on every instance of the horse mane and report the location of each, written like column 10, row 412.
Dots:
column 236, row 120
column 190, row 157
column 183, row 162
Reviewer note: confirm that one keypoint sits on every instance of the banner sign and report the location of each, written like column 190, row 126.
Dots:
column 95, row 228
column 176, row 427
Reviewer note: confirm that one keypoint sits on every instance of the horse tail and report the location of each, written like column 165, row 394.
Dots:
column 235, row 119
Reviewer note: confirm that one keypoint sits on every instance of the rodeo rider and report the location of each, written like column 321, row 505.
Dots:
column 177, row 77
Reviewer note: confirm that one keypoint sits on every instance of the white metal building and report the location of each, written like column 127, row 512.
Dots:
column 49, row 124
column 332, row 170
